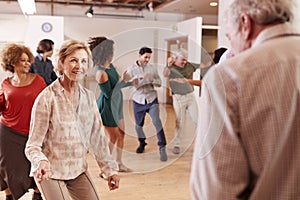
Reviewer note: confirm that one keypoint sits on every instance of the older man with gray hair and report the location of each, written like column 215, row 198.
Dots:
column 248, row 141
column 180, row 74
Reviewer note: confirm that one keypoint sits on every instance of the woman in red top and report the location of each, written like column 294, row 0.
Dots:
column 17, row 95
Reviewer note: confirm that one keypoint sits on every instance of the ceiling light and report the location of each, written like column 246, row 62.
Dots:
column 213, row 4
column 27, row 6
column 150, row 6
column 89, row 13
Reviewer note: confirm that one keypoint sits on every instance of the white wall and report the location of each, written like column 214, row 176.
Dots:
column 193, row 29
column 129, row 36
column 12, row 30
column 35, row 30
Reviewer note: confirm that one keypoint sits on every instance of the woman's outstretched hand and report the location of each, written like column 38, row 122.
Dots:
column 126, row 76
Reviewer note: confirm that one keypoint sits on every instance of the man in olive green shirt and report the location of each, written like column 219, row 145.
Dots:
column 180, row 74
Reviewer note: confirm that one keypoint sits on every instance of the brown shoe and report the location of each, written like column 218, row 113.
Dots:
column 176, row 150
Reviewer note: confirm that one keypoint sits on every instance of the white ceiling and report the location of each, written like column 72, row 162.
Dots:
column 190, row 7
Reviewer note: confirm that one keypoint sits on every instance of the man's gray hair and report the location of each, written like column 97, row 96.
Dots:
column 262, row 12
column 181, row 53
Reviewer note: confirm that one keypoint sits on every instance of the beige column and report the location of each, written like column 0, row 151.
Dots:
column 297, row 15
column 222, row 40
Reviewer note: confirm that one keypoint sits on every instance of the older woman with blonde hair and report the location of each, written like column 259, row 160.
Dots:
column 65, row 126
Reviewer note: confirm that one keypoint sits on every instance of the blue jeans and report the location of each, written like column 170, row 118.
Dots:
column 140, row 111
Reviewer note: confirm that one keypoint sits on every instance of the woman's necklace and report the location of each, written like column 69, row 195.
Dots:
column 19, row 82
column 71, row 94
column 73, row 97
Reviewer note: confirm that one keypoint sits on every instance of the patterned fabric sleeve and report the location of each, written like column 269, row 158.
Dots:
column 38, row 128
column 219, row 169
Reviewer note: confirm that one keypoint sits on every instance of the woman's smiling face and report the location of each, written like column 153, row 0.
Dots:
column 23, row 65
column 75, row 65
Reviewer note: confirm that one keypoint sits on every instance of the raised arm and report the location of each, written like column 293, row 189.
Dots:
column 167, row 72
column 125, row 80
column 167, row 69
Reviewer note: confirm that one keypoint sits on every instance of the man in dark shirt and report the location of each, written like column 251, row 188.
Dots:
column 42, row 65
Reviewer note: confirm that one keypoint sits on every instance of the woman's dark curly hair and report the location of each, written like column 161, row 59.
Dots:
column 102, row 49
column 11, row 54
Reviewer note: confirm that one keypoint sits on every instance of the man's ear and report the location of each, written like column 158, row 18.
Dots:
column 246, row 26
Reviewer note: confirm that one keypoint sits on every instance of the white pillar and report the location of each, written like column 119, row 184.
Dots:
column 222, row 40
column 194, row 37
column 297, row 15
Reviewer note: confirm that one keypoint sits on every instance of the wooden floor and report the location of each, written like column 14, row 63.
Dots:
column 151, row 178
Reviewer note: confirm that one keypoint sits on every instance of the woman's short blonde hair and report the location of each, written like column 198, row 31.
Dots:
column 69, row 47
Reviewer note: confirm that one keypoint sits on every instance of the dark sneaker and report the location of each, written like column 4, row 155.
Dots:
column 176, row 150
column 9, row 197
column 141, row 148
column 163, row 154
column 37, row 196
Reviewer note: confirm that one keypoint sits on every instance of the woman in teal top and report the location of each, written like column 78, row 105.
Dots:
column 110, row 101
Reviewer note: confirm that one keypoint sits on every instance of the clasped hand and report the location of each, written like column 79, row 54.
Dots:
column 43, row 172
column 146, row 76
column 113, row 182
